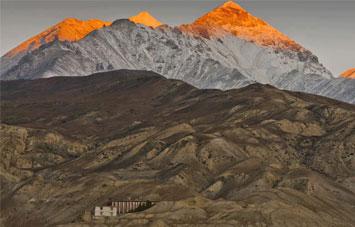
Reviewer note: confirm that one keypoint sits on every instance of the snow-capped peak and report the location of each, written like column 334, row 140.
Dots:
column 70, row 29
column 231, row 18
column 146, row 19
column 232, row 4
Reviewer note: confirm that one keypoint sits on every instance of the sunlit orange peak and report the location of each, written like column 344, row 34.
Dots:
column 231, row 18
column 232, row 4
column 70, row 29
column 146, row 19
column 350, row 73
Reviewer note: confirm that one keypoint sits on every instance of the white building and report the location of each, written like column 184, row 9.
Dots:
column 105, row 211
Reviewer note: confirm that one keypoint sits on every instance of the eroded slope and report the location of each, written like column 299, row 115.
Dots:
column 256, row 155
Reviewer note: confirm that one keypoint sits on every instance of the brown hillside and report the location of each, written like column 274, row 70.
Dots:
column 256, row 156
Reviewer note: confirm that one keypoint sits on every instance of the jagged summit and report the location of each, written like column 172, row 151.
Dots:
column 350, row 74
column 231, row 4
column 231, row 18
column 70, row 29
column 146, row 19
column 73, row 29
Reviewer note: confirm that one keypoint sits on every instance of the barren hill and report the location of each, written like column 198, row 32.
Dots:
column 254, row 156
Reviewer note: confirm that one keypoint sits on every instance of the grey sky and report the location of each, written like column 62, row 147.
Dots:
column 325, row 27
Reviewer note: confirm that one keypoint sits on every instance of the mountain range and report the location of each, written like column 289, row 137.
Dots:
column 219, row 122
column 225, row 48
column 255, row 156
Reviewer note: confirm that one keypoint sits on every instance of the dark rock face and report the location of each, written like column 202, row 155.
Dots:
column 254, row 156
column 307, row 55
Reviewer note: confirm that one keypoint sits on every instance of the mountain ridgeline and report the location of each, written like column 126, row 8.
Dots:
column 212, row 52
column 255, row 156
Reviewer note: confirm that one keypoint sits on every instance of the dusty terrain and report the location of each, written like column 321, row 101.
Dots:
column 255, row 156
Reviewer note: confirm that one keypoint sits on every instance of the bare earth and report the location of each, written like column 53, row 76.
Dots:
column 255, row 156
